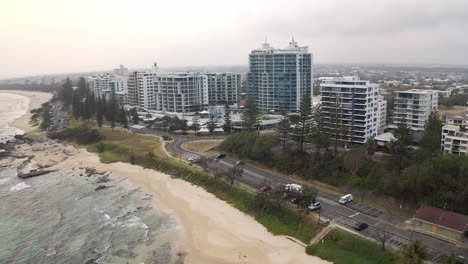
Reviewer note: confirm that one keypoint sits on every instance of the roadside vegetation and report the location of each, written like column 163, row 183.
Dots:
column 341, row 247
column 411, row 176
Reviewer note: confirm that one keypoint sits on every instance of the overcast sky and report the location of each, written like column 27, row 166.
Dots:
column 57, row 36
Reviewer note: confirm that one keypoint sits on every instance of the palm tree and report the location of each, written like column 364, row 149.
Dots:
column 414, row 253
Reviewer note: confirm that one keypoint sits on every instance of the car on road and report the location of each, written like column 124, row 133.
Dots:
column 220, row 156
column 265, row 188
column 346, row 199
column 239, row 163
column 315, row 206
column 292, row 187
column 193, row 158
column 360, row 226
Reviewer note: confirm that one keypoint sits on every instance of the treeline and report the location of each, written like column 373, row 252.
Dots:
column 84, row 105
column 454, row 99
column 415, row 176
column 50, row 88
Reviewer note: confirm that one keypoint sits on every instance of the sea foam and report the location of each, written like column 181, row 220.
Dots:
column 20, row 186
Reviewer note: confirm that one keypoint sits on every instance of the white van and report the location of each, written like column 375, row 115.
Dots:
column 346, row 199
column 292, row 187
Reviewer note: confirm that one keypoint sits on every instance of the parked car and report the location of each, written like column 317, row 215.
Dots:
column 315, row 206
column 346, row 199
column 265, row 188
column 360, row 226
column 220, row 156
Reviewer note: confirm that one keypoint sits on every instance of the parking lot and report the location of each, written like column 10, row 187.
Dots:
column 359, row 207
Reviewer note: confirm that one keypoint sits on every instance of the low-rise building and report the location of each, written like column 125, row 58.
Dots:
column 454, row 141
column 440, row 223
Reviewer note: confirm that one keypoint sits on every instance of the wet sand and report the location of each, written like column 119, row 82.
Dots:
column 35, row 101
column 213, row 231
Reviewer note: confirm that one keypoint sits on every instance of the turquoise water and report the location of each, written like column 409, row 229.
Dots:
column 60, row 218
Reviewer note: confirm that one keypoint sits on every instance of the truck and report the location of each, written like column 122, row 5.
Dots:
column 346, row 199
column 292, row 187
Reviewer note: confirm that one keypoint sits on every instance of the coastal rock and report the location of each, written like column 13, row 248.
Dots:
column 100, row 187
column 34, row 173
column 103, row 179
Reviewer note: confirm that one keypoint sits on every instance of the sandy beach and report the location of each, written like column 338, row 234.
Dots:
column 213, row 231
column 35, row 101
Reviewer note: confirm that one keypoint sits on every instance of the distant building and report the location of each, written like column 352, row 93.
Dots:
column 121, row 71
column 414, row 106
column 454, row 141
column 353, row 104
column 446, row 93
column 107, row 84
column 278, row 79
column 99, row 85
column 224, row 88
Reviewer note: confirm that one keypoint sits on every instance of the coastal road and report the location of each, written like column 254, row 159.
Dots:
column 348, row 215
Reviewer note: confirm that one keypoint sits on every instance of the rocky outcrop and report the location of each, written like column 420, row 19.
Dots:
column 34, row 173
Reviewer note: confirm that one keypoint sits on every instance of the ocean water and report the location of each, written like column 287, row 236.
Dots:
column 60, row 218
column 12, row 106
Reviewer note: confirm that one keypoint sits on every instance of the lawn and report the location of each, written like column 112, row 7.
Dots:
column 344, row 248
column 204, row 147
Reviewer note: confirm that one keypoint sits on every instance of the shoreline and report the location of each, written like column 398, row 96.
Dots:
column 35, row 101
column 212, row 230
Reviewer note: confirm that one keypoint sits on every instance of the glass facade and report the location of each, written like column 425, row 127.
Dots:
column 279, row 79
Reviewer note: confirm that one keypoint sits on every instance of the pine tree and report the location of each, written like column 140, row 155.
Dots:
column 249, row 116
column 104, row 108
column 82, row 87
column 403, row 140
column 123, row 118
column 302, row 125
column 318, row 129
column 76, row 105
column 196, row 122
column 283, row 129
column 134, row 114
column 67, row 92
column 211, row 125
column 432, row 134
column 227, row 119
column 99, row 112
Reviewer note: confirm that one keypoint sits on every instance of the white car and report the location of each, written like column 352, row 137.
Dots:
column 193, row 158
column 315, row 206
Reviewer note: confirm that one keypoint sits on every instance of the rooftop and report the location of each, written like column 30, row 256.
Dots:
column 441, row 217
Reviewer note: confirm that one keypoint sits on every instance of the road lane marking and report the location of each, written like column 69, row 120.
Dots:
column 353, row 215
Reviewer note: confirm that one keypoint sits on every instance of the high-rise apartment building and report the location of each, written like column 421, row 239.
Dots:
column 224, row 88
column 382, row 114
column 141, row 88
column 350, row 108
column 181, row 92
column 278, row 79
column 414, row 106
